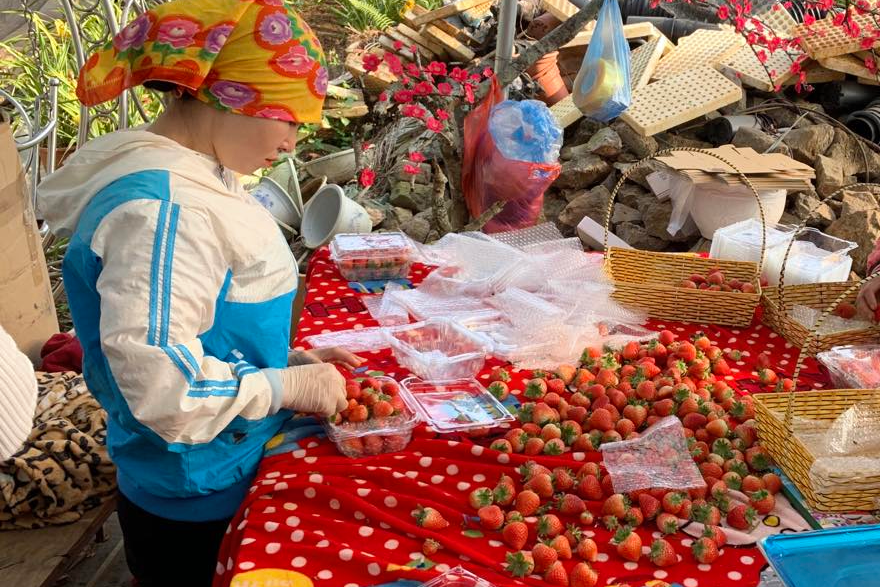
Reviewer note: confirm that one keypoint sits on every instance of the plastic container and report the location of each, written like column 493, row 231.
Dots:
column 367, row 257
column 716, row 205
column 451, row 406
column 742, row 242
column 375, row 435
column 458, row 577
column 274, row 198
column 330, row 212
column 839, row 557
column 853, row 366
column 439, row 350
column 815, row 258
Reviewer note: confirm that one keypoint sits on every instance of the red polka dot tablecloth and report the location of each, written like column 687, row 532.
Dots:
column 316, row 517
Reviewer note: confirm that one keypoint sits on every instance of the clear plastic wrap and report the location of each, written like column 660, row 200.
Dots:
column 357, row 341
column 457, row 577
column 658, row 458
column 386, row 309
column 853, row 366
column 808, row 317
column 439, row 350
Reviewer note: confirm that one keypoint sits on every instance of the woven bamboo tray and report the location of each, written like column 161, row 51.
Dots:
column 778, row 302
column 649, row 281
column 776, row 411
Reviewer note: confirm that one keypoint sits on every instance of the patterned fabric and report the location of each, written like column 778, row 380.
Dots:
column 251, row 57
column 63, row 468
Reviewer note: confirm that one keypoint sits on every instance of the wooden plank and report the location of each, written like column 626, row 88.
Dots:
column 677, row 99
column 816, row 74
column 565, row 112
column 453, row 46
column 643, row 61
column 630, row 31
column 346, row 111
column 846, row 64
column 479, row 11
column 560, row 9
column 702, row 48
column 39, row 557
column 395, row 35
column 448, row 10
column 444, row 25
column 433, row 46
column 404, row 52
column 826, row 39
column 339, row 93
column 748, row 68
column 374, row 81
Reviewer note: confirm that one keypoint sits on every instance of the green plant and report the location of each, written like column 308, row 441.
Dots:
column 364, row 15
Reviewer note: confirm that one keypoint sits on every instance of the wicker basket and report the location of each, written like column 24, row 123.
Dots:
column 778, row 302
column 775, row 413
column 650, row 281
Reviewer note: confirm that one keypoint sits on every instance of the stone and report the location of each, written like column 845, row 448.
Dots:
column 605, row 143
column 593, row 203
column 582, row 172
column 623, row 213
column 418, row 228
column 785, row 118
column 637, row 237
column 669, row 140
column 757, row 140
column 423, row 177
column 641, row 146
column 411, row 197
column 789, row 219
column 376, row 214
column 570, row 195
column 853, row 155
column 396, row 218
column 831, row 175
column 553, row 206
column 862, row 228
column 803, row 203
column 585, row 130
column 656, row 215
column 631, row 195
column 641, row 172
column 809, row 142
column 853, row 202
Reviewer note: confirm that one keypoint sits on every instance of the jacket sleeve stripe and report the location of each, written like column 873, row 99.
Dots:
column 166, row 274
column 184, row 368
column 154, row 271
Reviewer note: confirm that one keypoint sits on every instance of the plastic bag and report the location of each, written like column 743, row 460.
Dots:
column 602, row 87
column 525, row 131
column 658, row 458
column 853, row 367
column 488, row 176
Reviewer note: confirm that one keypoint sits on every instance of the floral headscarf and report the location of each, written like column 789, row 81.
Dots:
column 252, row 57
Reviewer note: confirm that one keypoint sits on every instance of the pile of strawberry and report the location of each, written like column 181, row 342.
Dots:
column 612, row 396
column 715, row 280
column 370, row 397
column 374, row 404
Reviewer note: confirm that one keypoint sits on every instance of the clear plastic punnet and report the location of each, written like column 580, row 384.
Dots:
column 658, row 458
column 458, row 577
column 439, row 350
column 450, row 406
column 375, row 435
column 853, row 366
column 373, row 256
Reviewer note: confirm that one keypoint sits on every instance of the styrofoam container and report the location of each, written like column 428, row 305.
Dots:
column 815, row 257
column 439, row 350
column 741, row 241
column 715, row 206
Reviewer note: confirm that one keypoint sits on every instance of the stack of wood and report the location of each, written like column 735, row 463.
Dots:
column 833, row 49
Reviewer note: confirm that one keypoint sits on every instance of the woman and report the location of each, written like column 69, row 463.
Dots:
column 180, row 284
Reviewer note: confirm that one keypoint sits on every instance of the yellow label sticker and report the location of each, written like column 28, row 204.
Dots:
column 271, row 578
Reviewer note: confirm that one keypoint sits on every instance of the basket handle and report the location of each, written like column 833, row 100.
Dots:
column 804, row 352
column 625, row 175
column 780, row 293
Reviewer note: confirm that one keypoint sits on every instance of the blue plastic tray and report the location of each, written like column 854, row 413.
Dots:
column 841, row 557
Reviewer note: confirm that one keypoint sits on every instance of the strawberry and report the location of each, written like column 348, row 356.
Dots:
column 686, row 508
column 772, row 482
column 429, row 518
column 544, row 556
column 649, row 505
column 556, row 575
column 533, row 447
column 715, row 534
column 503, row 494
column 491, row 517
column 395, row 442
column 590, row 489
column 742, row 517
column 480, row 497
column 705, row 551
column 501, row 445
column 571, row 505
column 706, row 514
column 499, row 374
column 629, row 544
column 634, row 517
column 768, row 376
column 718, row 489
column 587, row 550
column 499, row 389
column 636, row 413
column 358, row 414
column 763, row 360
column 763, row 501
column 535, row 389
column 664, row 407
column 352, row 390
column 352, row 447
column 556, row 386
column 554, row 447
column 430, row 547
column 758, row 458
column 671, row 502
column 542, row 484
column 371, row 383
column 717, row 428
column 570, row 430
column 515, row 535
column 563, row 479
column 709, row 469
column 686, row 352
column 577, row 413
column 616, row 505
column 662, row 554
column 693, row 420
column 582, row 575
column 390, row 388
column 586, row 518
column 601, row 419
column 520, row 564
column 732, row 480
column 667, row 523
column 562, row 547
column 527, row 502
column 750, row 484
column 549, row 526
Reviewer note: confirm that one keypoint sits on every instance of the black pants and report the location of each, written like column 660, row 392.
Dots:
column 169, row 553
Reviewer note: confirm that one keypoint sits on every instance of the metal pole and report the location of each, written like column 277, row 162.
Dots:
column 52, row 141
column 506, row 31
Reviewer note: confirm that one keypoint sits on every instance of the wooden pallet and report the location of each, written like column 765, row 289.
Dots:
column 560, row 9
column 446, row 11
column 455, row 48
column 644, row 60
column 565, row 112
column 825, row 39
column 419, row 39
column 373, row 81
column 344, row 109
column 816, row 74
column 746, row 66
column 680, row 98
column 847, row 64
column 442, row 24
column 389, row 44
column 637, row 30
column 779, row 22
column 702, row 48
column 396, row 35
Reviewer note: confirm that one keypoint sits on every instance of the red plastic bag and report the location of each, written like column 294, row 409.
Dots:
column 488, row 177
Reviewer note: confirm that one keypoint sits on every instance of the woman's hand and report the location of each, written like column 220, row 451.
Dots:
column 867, row 300
column 325, row 355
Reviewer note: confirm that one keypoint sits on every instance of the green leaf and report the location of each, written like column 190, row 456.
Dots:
column 472, row 533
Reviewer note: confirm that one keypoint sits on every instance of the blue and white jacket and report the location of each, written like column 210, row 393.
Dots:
column 180, row 290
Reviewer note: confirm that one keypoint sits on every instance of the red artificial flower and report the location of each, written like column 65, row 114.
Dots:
column 787, row 5
column 871, row 64
column 459, row 75
column 723, row 12
column 468, row 94
column 413, row 111
column 838, row 18
column 434, row 124
column 416, row 157
column 414, row 49
column 411, row 169
column 487, row 72
column 383, row 96
column 398, row 45
column 752, row 38
column 371, row 62
column 423, row 89
column 413, row 70
column 442, row 114
column 761, row 55
column 739, row 23
column 475, row 77
column 403, row 96
column 867, row 43
column 367, row 177
column 444, row 88
column 394, row 63
column 436, row 68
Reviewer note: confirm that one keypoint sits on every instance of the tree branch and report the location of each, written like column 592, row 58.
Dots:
column 438, row 201
column 480, row 221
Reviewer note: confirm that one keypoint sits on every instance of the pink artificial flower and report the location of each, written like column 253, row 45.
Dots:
column 413, row 111
column 871, row 64
column 423, row 89
column 487, row 72
column 383, row 96
column 367, row 177
column 436, row 68
column 394, row 63
column 371, row 62
column 416, row 157
column 459, row 75
column 411, row 169
column 761, row 55
column 468, row 94
column 434, row 124
column 723, row 12
column 398, row 45
column 442, row 114
column 403, row 96
column 413, row 70
column 444, row 88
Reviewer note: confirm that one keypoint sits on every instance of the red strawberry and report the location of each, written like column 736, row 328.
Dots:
column 562, row 547
column 358, row 414
column 499, row 374
column 601, row 419
column 667, row 523
column 554, row 447
column 758, row 458
column 706, row 514
column 499, row 389
column 430, row 547
column 535, row 389
column 543, row 414
column 763, row 501
column 571, row 505
column 634, row 517
column 694, row 420
column 352, row 389
column 480, row 497
column 664, row 407
column 705, row 551
column 503, row 494
column 750, row 484
column 544, row 556
column 542, row 484
column 501, row 445
column 527, row 502
column 616, row 505
column 629, row 544
column 717, row 428
column 768, row 376
column 586, row 518
column 582, row 575
column 772, row 482
column 588, row 550
column 715, row 534
column 533, row 447
column 491, row 517
column 429, row 518
column 672, row 502
column 556, row 386
column 515, row 535
column 590, row 489
column 662, row 554
column 549, row 526
column 520, row 564
column 371, row 383
column 636, row 413
column 649, row 505
column 390, row 388
column 763, row 360
column 556, row 575
column 742, row 517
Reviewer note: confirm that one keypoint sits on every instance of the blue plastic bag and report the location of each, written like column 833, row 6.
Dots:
column 602, row 86
column 526, row 131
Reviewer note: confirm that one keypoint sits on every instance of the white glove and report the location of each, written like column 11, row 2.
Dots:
column 297, row 358
column 318, row 389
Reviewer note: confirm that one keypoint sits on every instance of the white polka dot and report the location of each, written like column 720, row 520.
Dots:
column 247, row 541
column 578, row 456
column 437, row 479
column 476, row 450
column 646, row 550
column 290, row 506
column 270, row 526
column 390, row 501
column 704, row 568
column 747, row 560
column 280, row 486
column 229, row 564
column 359, row 516
column 363, row 491
column 220, row 568
column 292, row 521
column 346, row 554
column 630, row 566
column 325, row 574
column 365, row 531
column 412, row 474
column 242, row 524
column 334, row 504
column 463, row 485
column 415, row 555
column 495, row 544
column 384, row 526
column 656, row 535
column 504, row 458
column 687, row 542
column 392, row 544
column 352, row 584
column 310, row 460
column 374, row 569
column 315, row 478
column 360, row 481
column 273, row 474
column 323, row 544
column 298, row 562
column 425, row 461
column 318, row 532
column 660, row 574
column 479, row 478
column 269, row 510
column 602, row 557
column 397, row 475
column 452, row 470
column 690, row 583
column 734, row 576
column 273, row 547
column 299, row 453
column 453, row 443
column 297, row 536
column 589, row 533
column 246, row 565
column 310, row 492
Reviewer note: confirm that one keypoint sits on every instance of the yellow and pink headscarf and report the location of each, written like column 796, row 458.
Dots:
column 251, row 57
